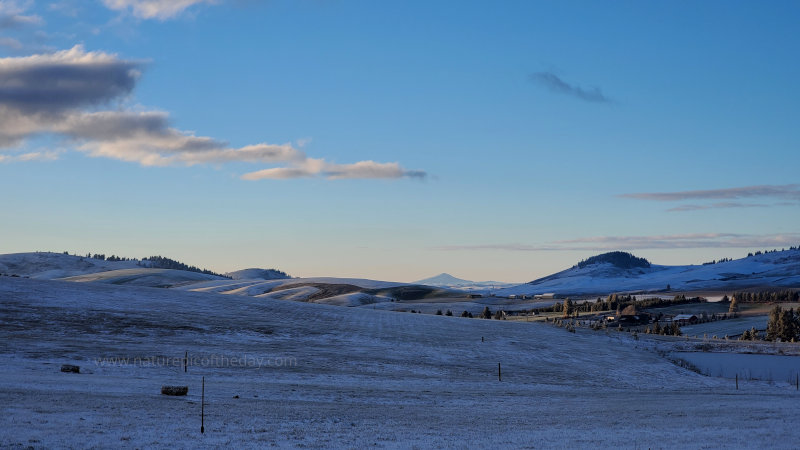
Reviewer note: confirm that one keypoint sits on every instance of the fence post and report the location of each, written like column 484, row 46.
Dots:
column 185, row 362
column 737, row 381
column 499, row 373
column 202, row 407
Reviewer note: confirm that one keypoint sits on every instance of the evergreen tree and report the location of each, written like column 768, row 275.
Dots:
column 567, row 308
column 734, row 306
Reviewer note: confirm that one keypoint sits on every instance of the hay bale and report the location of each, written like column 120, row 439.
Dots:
column 69, row 368
column 174, row 390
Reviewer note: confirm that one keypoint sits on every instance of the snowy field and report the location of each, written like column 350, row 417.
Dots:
column 747, row 366
column 309, row 375
column 730, row 327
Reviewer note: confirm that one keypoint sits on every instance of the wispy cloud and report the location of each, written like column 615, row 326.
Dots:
column 320, row 168
column 717, row 205
column 791, row 191
column 13, row 14
column 47, row 155
column 154, row 9
column 11, row 43
column 52, row 94
column 677, row 241
column 555, row 84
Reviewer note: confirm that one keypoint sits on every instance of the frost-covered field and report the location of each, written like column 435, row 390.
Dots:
column 730, row 327
column 746, row 366
column 323, row 376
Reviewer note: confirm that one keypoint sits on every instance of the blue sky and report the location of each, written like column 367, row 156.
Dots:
column 398, row 140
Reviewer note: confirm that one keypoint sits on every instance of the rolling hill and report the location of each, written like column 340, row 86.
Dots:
column 606, row 274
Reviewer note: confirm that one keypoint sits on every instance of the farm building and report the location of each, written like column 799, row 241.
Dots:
column 685, row 319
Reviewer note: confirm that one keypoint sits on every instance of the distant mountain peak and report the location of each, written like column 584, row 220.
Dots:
column 443, row 279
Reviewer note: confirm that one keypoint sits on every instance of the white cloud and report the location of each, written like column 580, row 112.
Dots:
column 154, row 9
column 12, row 14
column 47, row 155
column 51, row 94
column 311, row 167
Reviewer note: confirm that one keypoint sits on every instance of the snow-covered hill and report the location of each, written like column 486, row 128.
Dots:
column 775, row 269
column 140, row 276
column 49, row 265
column 257, row 274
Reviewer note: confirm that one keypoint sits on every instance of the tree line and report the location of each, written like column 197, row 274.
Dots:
column 615, row 302
column 157, row 262
column 786, row 295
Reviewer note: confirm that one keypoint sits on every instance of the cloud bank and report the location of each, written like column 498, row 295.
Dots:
column 59, row 94
column 676, row 241
column 556, row 84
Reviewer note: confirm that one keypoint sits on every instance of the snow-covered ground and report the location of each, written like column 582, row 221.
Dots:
column 746, row 366
column 48, row 265
column 141, row 276
column 730, row 327
column 299, row 374
column 777, row 269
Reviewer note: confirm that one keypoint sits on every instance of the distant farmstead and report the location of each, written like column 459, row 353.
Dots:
column 685, row 319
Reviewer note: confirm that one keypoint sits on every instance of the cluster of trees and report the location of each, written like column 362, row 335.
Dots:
column 668, row 330
column 770, row 251
column 714, row 261
column 102, row 257
column 783, row 324
column 448, row 313
column 623, row 260
column 766, row 296
column 487, row 314
column 749, row 335
column 616, row 302
column 161, row 262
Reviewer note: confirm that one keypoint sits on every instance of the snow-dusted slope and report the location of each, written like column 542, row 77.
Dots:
column 778, row 269
column 257, row 274
column 280, row 374
column 48, row 265
column 145, row 277
column 317, row 289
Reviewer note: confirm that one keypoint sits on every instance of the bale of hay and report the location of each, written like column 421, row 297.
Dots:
column 174, row 390
column 69, row 368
